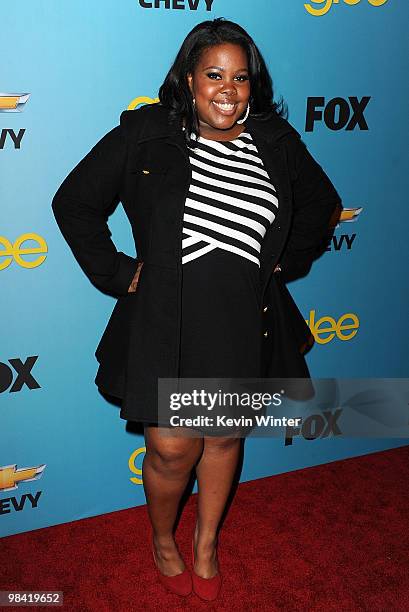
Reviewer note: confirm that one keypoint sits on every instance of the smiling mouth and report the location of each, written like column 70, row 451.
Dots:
column 225, row 108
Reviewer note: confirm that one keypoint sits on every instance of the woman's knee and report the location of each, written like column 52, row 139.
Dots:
column 220, row 444
column 173, row 454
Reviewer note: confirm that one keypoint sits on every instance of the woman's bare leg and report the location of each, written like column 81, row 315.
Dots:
column 215, row 472
column 166, row 469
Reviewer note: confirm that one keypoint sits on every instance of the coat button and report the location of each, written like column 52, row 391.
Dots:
column 265, row 308
column 265, row 334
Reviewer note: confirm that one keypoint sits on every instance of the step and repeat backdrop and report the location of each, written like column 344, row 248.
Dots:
column 69, row 68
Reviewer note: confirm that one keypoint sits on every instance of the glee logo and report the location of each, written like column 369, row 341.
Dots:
column 326, row 328
column 326, row 5
column 338, row 113
column 7, row 134
column 133, row 468
column 141, row 100
column 182, row 5
column 15, row 251
column 23, row 371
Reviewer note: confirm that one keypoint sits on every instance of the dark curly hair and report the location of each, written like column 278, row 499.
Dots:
column 175, row 94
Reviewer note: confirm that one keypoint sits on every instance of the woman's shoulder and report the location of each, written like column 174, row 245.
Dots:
column 146, row 119
column 274, row 126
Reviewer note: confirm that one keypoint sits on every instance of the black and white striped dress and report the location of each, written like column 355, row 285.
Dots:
column 230, row 204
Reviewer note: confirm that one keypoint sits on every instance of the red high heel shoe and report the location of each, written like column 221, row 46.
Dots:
column 205, row 588
column 181, row 584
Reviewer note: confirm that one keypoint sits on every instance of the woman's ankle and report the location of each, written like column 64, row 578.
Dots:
column 206, row 542
column 164, row 542
column 167, row 554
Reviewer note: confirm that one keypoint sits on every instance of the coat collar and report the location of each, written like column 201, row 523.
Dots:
column 158, row 125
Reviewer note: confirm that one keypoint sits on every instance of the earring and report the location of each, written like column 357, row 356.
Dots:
column 246, row 115
column 194, row 101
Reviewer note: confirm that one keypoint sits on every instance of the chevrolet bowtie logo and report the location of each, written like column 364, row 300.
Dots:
column 13, row 102
column 350, row 214
column 10, row 476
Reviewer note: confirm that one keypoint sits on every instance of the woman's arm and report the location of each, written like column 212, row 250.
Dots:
column 315, row 202
column 81, row 208
column 134, row 283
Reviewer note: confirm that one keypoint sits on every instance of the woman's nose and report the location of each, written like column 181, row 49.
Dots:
column 228, row 87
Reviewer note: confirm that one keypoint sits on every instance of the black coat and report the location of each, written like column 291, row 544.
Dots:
column 144, row 164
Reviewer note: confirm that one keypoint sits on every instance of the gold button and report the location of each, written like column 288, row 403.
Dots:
column 265, row 308
column 266, row 334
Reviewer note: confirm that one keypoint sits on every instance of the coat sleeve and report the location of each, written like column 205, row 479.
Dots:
column 81, row 208
column 315, row 201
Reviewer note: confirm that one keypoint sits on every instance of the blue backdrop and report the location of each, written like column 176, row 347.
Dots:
column 69, row 68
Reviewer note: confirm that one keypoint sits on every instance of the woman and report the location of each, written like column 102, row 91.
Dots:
column 226, row 205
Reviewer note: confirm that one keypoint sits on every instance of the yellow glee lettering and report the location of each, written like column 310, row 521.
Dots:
column 341, row 326
column 326, row 5
column 141, row 100
column 132, row 466
column 318, row 12
column 326, row 328
column 14, row 251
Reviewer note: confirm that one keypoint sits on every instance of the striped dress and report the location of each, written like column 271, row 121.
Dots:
column 230, row 204
column 231, row 201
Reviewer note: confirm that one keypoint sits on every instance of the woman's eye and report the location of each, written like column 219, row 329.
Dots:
column 215, row 75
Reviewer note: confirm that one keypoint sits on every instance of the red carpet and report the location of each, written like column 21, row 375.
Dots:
column 328, row 538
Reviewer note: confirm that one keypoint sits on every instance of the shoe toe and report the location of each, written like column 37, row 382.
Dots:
column 207, row 588
column 181, row 584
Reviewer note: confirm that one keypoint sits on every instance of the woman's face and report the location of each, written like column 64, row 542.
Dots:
column 220, row 84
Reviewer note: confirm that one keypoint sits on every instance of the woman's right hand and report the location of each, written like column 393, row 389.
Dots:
column 134, row 283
